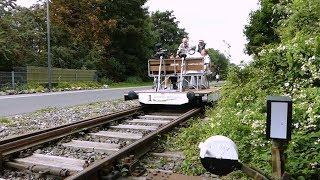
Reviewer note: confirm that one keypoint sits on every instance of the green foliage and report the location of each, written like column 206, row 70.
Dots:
column 4, row 120
column 35, row 86
column 106, row 81
column 63, row 85
column 113, row 69
column 69, row 85
column 114, row 37
column 241, row 114
column 130, row 38
column 262, row 25
column 127, row 84
column 44, row 110
column 21, row 37
column 6, row 86
column 166, row 30
column 220, row 63
column 289, row 66
column 6, row 5
column 7, row 122
column 303, row 151
column 134, row 80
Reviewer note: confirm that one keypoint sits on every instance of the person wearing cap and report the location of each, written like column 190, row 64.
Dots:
column 201, row 46
column 157, row 51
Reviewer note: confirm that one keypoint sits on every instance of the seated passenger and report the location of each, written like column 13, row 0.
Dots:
column 201, row 46
column 183, row 47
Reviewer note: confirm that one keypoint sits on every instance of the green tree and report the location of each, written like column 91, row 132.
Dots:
column 220, row 62
column 23, row 42
column 166, row 30
column 116, row 32
column 22, row 37
column 262, row 24
column 82, row 20
column 130, row 38
column 6, row 5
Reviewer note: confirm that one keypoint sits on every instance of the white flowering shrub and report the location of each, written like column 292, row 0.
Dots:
column 303, row 151
column 291, row 68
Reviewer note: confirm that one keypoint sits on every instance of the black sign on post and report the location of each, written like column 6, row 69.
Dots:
column 279, row 117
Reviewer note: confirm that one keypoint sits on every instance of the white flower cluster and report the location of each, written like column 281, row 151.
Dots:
column 262, row 52
column 310, row 41
column 314, row 165
column 281, row 47
column 312, row 116
column 258, row 142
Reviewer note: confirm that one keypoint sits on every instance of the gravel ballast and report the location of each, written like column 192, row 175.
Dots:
column 52, row 117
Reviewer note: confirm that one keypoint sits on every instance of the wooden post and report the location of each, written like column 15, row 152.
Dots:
column 277, row 159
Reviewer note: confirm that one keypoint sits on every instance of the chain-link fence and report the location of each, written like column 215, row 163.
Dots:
column 11, row 79
column 31, row 74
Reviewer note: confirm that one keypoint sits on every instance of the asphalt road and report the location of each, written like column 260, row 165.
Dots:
column 21, row 104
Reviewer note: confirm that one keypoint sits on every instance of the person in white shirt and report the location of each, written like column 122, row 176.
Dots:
column 183, row 47
column 206, row 71
column 207, row 68
column 207, row 61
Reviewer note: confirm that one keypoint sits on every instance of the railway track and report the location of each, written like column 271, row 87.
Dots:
column 91, row 148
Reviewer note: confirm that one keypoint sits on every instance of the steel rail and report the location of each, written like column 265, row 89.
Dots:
column 92, row 169
column 33, row 139
column 7, row 140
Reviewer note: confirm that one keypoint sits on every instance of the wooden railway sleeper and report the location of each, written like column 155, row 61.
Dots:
column 41, row 170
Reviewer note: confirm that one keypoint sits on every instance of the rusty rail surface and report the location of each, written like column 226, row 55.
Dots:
column 90, row 171
column 16, row 144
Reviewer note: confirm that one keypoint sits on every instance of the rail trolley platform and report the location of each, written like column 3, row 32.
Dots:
column 185, row 70
column 171, row 97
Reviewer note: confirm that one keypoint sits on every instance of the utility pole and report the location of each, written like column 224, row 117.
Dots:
column 228, row 46
column 49, row 48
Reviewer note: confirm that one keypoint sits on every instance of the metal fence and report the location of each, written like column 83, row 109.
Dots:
column 32, row 74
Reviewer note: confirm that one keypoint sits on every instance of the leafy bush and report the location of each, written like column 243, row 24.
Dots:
column 6, row 86
column 69, row 85
column 63, row 85
column 241, row 116
column 19, row 87
column 134, row 80
column 106, row 81
column 241, row 113
column 35, row 86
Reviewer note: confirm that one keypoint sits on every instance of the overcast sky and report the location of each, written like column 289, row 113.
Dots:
column 214, row 21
